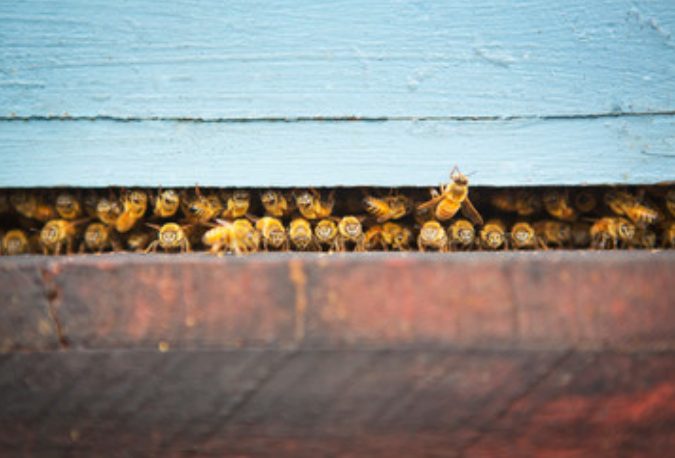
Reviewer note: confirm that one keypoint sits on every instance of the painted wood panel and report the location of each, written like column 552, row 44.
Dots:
column 380, row 58
column 99, row 153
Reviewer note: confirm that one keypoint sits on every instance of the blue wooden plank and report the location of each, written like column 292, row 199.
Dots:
column 394, row 153
column 275, row 58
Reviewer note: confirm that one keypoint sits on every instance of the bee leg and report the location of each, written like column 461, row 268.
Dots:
column 542, row 244
column 152, row 247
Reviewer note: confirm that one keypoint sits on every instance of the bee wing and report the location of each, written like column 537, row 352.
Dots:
column 431, row 202
column 470, row 212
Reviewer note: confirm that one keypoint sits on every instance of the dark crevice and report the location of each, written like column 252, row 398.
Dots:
column 351, row 118
column 53, row 296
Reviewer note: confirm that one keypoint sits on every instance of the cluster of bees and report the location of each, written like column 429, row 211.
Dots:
column 240, row 222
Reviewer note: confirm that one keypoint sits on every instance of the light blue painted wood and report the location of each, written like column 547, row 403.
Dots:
column 270, row 58
column 100, row 153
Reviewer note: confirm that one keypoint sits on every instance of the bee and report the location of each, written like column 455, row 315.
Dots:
column 108, row 211
column 558, row 205
column 396, row 236
column 99, row 237
column 670, row 202
column 625, row 204
column 451, row 198
column 326, row 233
column 580, row 234
column 524, row 236
column 200, row 209
column 350, row 231
column 493, row 235
column 272, row 233
column 170, row 237
column 236, row 204
column 522, row 202
column 30, row 206
column 553, row 232
column 68, row 206
column 218, row 238
column 668, row 235
column 373, row 239
column 57, row 234
column 461, row 235
column 244, row 238
column 585, row 201
column 432, row 236
column 134, row 206
column 138, row 240
column 275, row 203
column 610, row 232
column 15, row 242
column 301, row 235
column 311, row 206
column 387, row 208
column 166, row 203
column 644, row 238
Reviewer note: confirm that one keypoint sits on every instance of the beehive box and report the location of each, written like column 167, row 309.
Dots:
column 468, row 354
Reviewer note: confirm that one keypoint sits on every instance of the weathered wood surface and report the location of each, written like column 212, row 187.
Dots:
column 470, row 354
column 101, row 153
column 522, row 92
column 244, row 59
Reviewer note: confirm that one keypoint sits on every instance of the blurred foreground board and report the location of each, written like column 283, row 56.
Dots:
column 469, row 354
column 287, row 93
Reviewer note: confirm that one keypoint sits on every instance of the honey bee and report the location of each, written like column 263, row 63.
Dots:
column 134, row 206
column 56, row 234
column 272, row 233
column 644, row 238
column 610, row 232
column 170, row 237
column 108, row 211
column 558, row 205
column 311, row 206
column 387, row 208
column 98, row 237
column 669, row 235
column 524, row 236
column 30, row 206
column 218, row 238
column 326, row 234
column 236, row 204
column 670, row 202
column 553, row 232
column 300, row 233
column 275, row 203
column 138, row 240
column 493, row 235
column 200, row 209
column 522, row 202
column 350, row 231
column 432, row 236
column 580, row 234
column 451, row 198
column 244, row 238
column 68, row 206
column 373, row 239
column 461, row 235
column 15, row 242
column 166, row 203
column 396, row 236
column 625, row 204
column 585, row 201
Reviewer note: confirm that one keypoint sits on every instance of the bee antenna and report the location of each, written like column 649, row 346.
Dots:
column 153, row 226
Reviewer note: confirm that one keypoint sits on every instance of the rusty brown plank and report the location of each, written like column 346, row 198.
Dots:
column 339, row 403
column 481, row 300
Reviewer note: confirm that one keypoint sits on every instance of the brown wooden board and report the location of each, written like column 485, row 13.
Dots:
column 475, row 354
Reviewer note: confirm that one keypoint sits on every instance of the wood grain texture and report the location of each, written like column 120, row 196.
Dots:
column 101, row 153
column 209, row 59
column 552, row 300
column 337, row 403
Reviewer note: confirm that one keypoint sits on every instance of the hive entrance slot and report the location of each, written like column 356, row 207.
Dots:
column 243, row 221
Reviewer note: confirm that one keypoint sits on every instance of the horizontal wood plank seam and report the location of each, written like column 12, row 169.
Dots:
column 298, row 119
